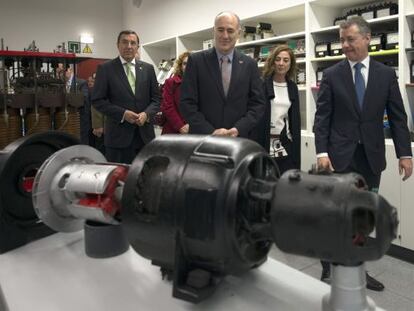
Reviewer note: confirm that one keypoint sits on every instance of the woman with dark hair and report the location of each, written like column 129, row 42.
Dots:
column 171, row 98
column 279, row 131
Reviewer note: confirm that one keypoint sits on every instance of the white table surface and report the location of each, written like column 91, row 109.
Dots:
column 54, row 274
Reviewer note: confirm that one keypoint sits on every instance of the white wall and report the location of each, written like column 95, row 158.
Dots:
column 160, row 19
column 50, row 22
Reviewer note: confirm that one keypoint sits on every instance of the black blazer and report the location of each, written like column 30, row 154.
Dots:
column 340, row 124
column 203, row 103
column 112, row 95
column 262, row 131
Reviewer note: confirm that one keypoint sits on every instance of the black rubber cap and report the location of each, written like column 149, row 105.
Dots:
column 104, row 240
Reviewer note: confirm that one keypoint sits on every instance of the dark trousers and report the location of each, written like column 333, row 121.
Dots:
column 359, row 164
column 284, row 164
column 125, row 155
column 98, row 143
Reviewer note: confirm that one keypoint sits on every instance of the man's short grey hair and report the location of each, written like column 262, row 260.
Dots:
column 362, row 24
column 230, row 13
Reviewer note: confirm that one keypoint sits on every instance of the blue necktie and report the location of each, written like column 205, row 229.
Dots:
column 359, row 84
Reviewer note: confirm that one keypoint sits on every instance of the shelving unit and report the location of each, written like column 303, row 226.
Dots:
column 313, row 20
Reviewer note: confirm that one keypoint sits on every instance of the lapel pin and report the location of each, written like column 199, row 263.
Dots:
column 240, row 62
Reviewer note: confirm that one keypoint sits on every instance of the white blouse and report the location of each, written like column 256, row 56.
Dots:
column 279, row 107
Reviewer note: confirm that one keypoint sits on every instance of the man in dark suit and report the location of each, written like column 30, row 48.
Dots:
column 348, row 127
column 126, row 92
column 221, row 93
column 74, row 84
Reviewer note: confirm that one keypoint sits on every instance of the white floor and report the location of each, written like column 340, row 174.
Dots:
column 396, row 275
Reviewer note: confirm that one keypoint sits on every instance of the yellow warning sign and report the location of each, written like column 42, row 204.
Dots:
column 87, row 49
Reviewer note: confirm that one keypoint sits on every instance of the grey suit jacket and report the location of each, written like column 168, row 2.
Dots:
column 203, row 103
column 340, row 124
column 112, row 95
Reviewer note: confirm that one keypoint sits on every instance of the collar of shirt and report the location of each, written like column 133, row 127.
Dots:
column 364, row 62
column 364, row 69
column 229, row 55
column 123, row 61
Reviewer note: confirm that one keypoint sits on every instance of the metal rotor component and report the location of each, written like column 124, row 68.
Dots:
column 50, row 198
column 19, row 162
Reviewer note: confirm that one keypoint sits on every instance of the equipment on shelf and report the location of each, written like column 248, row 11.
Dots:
column 19, row 163
column 298, row 47
column 319, row 75
column 202, row 207
column 265, row 51
column 391, row 40
column 335, row 48
column 386, row 9
column 339, row 20
column 208, row 44
column 373, row 10
column 248, row 34
column 252, row 52
column 264, row 31
column 368, row 12
column 166, row 68
column 301, row 76
column 322, row 49
column 377, row 42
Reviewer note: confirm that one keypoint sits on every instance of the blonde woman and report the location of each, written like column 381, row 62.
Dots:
column 175, row 123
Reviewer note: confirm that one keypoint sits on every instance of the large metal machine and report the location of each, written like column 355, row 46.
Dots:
column 204, row 207
column 33, row 94
column 19, row 163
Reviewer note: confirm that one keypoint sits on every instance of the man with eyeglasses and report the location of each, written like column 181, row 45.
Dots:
column 126, row 92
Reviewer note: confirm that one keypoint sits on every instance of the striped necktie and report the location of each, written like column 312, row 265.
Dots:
column 130, row 76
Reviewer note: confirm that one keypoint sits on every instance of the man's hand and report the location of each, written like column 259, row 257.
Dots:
column 98, row 131
column 324, row 164
column 184, row 129
column 233, row 132
column 130, row 116
column 220, row 132
column 142, row 118
column 405, row 166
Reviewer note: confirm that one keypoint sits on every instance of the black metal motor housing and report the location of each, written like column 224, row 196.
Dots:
column 331, row 217
column 184, row 206
column 19, row 162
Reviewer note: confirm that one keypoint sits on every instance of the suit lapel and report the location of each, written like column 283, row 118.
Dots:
column 371, row 85
column 350, row 86
column 120, row 72
column 214, row 68
column 236, row 67
column 138, row 76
